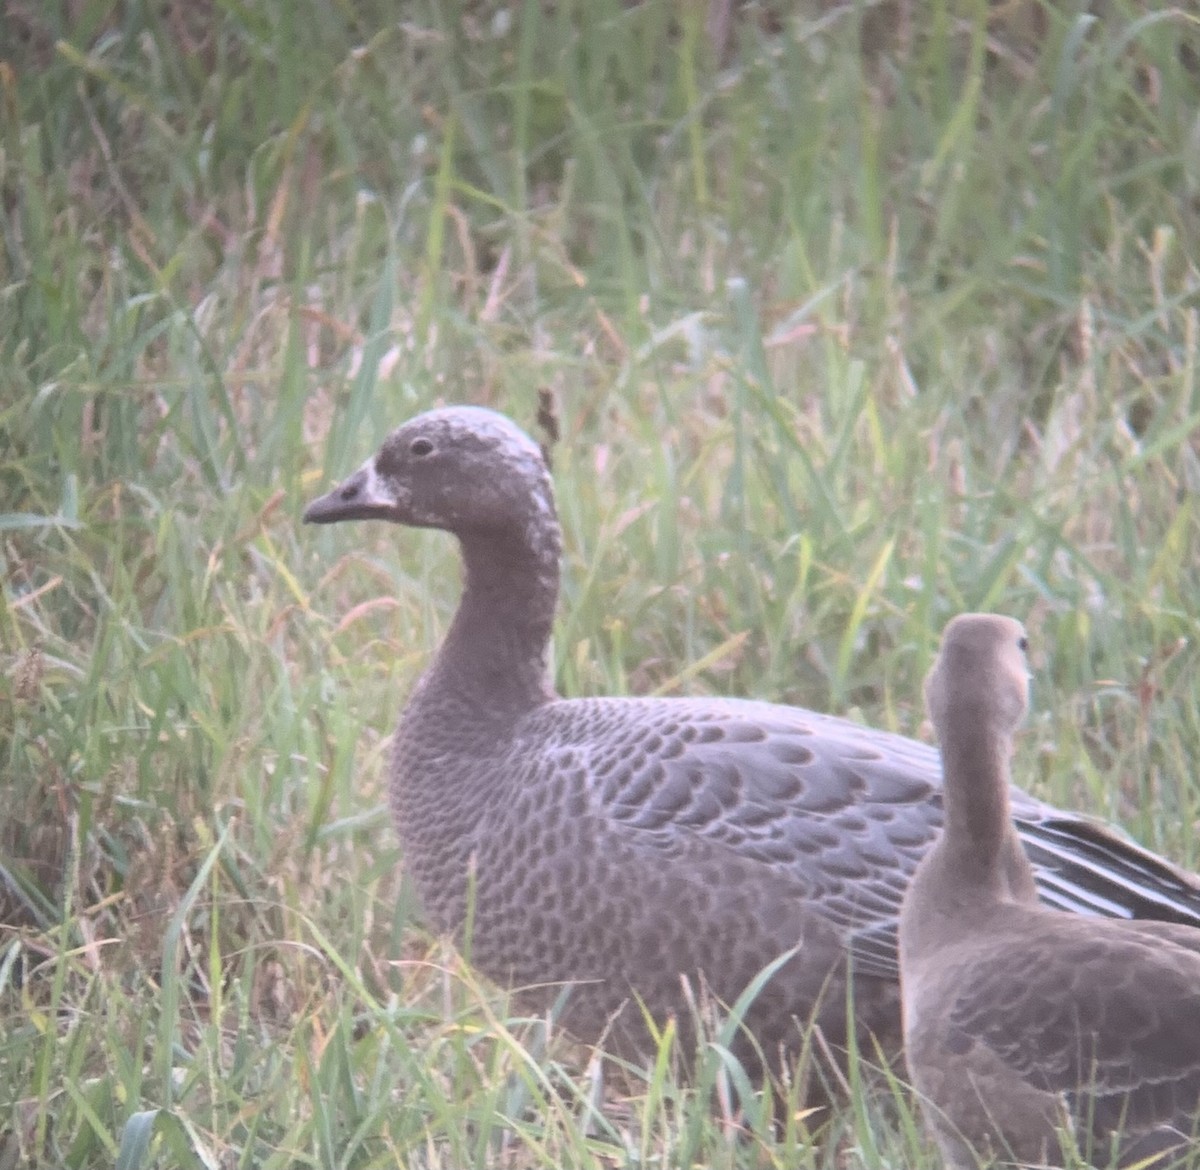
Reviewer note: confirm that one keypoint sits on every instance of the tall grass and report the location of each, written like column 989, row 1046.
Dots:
column 877, row 313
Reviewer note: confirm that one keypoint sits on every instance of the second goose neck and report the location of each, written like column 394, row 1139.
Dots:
column 978, row 820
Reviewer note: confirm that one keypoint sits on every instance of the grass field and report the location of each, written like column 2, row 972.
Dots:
column 890, row 312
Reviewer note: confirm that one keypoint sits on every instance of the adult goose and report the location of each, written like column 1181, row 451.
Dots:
column 622, row 844
column 1029, row 1031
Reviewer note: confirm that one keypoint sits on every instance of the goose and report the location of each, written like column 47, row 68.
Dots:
column 1032, row 1035
column 648, row 852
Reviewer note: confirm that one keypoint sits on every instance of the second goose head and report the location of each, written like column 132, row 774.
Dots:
column 980, row 676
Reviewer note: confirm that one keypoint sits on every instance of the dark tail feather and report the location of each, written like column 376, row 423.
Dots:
column 1085, row 867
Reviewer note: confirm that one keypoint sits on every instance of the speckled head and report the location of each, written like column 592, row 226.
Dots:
column 464, row 469
column 980, row 675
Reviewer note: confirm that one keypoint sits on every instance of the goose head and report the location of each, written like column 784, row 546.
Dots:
column 980, row 678
column 464, row 469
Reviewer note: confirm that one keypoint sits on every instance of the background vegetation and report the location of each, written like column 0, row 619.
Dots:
column 851, row 317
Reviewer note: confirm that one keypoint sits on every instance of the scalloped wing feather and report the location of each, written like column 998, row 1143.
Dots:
column 1107, row 1014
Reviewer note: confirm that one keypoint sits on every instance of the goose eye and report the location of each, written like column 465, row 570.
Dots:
column 421, row 447
column 1023, row 643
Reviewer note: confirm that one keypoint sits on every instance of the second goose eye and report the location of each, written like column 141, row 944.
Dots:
column 421, row 447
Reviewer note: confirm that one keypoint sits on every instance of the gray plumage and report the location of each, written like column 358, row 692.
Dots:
column 1026, row 1029
column 620, row 843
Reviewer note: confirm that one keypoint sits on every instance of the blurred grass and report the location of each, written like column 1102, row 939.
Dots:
column 876, row 313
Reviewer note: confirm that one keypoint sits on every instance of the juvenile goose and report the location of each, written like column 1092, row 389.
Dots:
column 618, row 844
column 1023, row 1024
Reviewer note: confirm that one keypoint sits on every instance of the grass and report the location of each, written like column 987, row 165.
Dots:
column 891, row 313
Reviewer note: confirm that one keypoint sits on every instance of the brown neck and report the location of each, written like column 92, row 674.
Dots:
column 493, row 664
column 978, row 831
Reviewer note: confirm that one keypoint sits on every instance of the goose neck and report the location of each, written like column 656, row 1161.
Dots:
column 494, row 660
column 978, row 824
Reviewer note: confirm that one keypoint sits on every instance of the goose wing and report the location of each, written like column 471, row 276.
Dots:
column 847, row 810
column 843, row 810
column 1106, row 1014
